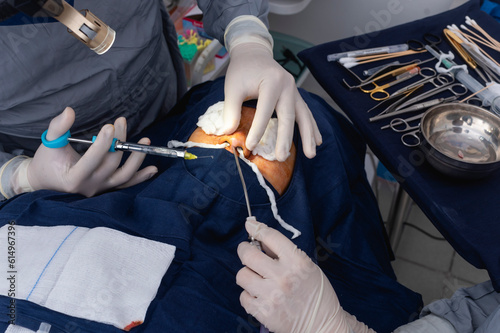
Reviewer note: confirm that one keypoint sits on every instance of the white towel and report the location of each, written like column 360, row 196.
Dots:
column 17, row 329
column 44, row 328
column 98, row 274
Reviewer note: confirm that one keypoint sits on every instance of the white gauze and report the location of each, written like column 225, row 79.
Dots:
column 270, row 194
column 212, row 122
column 191, row 144
column 267, row 144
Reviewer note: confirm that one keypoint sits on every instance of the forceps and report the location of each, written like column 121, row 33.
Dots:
column 440, row 82
column 417, row 106
column 456, row 89
column 427, row 75
column 378, row 93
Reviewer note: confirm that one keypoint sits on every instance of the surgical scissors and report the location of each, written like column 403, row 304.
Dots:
column 396, row 122
column 457, row 89
column 387, row 70
column 442, row 78
column 378, row 93
column 411, row 139
column 437, row 81
column 375, row 77
column 430, row 40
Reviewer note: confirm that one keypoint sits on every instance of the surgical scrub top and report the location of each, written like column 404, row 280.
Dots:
column 44, row 69
column 199, row 207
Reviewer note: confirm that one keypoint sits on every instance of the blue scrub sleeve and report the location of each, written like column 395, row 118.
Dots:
column 217, row 14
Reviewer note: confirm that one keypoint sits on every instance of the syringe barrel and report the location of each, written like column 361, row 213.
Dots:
column 488, row 96
column 473, row 85
column 151, row 150
column 495, row 106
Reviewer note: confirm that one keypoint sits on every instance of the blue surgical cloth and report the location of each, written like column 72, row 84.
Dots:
column 492, row 8
column 199, row 207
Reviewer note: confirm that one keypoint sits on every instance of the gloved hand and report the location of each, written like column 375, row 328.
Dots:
column 253, row 73
column 63, row 169
column 285, row 290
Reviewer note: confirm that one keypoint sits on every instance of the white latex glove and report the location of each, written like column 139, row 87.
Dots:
column 253, row 73
column 63, row 169
column 285, row 290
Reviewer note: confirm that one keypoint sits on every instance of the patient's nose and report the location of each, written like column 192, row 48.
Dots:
column 236, row 140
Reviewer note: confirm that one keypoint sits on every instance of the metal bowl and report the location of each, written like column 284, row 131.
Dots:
column 461, row 140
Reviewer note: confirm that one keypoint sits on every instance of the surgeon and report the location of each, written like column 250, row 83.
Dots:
column 140, row 78
column 289, row 293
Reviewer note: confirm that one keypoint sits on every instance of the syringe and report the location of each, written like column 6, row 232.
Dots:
column 151, row 150
column 119, row 145
column 488, row 96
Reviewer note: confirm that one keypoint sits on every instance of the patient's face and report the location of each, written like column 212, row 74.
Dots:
column 278, row 174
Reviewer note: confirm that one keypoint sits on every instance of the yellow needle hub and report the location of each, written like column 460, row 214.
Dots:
column 189, row 156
